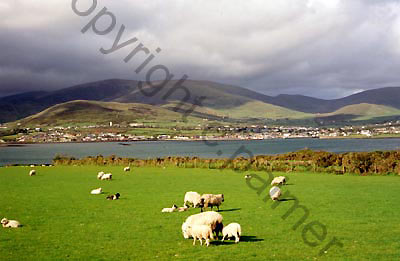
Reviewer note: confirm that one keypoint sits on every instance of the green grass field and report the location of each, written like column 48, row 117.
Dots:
column 62, row 221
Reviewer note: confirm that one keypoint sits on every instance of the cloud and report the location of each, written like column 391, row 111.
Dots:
column 323, row 48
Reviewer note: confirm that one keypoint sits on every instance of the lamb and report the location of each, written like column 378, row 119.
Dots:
column 278, row 181
column 210, row 200
column 113, row 197
column 184, row 208
column 10, row 223
column 96, row 191
column 192, row 199
column 169, row 210
column 209, row 218
column 107, row 176
column 247, row 177
column 275, row 193
column 32, row 172
column 127, row 169
column 200, row 232
column 232, row 230
column 100, row 174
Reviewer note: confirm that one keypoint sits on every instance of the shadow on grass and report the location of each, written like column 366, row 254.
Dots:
column 242, row 239
column 228, row 210
column 286, row 199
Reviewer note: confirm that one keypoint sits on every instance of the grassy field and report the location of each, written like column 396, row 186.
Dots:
column 62, row 221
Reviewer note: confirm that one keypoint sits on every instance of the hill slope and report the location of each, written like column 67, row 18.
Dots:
column 94, row 112
column 363, row 111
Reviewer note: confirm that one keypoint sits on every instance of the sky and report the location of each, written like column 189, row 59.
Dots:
column 320, row 48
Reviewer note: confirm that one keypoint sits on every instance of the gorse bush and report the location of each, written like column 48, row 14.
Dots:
column 361, row 163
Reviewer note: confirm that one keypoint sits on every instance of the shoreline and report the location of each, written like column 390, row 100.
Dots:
column 20, row 144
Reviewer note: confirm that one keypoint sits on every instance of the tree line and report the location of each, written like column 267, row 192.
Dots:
column 360, row 163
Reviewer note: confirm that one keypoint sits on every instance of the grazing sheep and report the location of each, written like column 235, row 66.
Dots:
column 184, row 208
column 275, row 193
column 192, row 199
column 32, row 166
column 209, row 218
column 278, row 181
column 232, row 230
column 247, row 177
column 32, row 172
column 96, row 191
column 10, row 223
column 200, row 232
column 113, row 197
column 210, row 200
column 169, row 210
column 127, row 169
column 100, row 174
column 107, row 176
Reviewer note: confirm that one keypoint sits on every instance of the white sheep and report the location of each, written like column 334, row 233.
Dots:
column 169, row 210
column 278, row 181
column 232, row 230
column 210, row 200
column 32, row 172
column 275, row 193
column 32, row 166
column 100, row 174
column 107, row 176
column 127, row 169
column 200, row 232
column 247, row 177
column 96, row 191
column 192, row 198
column 209, row 218
column 10, row 223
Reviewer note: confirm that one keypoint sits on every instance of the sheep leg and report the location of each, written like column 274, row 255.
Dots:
column 201, row 242
column 207, row 242
column 223, row 238
column 194, row 240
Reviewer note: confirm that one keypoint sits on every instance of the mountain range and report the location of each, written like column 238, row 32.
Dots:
column 220, row 101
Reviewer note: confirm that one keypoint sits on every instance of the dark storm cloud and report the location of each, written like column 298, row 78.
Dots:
column 323, row 48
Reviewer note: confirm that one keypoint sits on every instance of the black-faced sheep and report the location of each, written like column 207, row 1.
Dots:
column 10, row 223
column 107, row 176
column 169, row 210
column 232, row 230
column 113, row 197
column 210, row 200
column 278, row 181
column 127, row 169
column 32, row 172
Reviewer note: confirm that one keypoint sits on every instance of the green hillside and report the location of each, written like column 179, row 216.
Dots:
column 363, row 111
column 257, row 109
column 93, row 112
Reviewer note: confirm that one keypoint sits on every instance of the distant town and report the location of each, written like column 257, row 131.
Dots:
column 123, row 133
